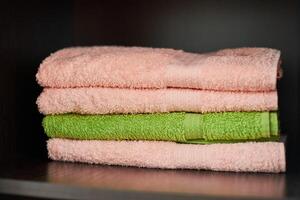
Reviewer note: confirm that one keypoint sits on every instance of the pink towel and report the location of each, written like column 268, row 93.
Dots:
column 242, row 69
column 247, row 157
column 115, row 100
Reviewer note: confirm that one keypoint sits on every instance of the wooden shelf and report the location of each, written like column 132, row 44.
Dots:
column 49, row 179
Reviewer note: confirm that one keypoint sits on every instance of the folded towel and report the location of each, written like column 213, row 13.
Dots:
column 178, row 127
column 241, row 69
column 248, row 157
column 115, row 100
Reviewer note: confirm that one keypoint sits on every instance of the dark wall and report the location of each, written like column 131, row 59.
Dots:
column 30, row 31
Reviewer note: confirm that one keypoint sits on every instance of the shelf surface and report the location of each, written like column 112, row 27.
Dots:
column 64, row 180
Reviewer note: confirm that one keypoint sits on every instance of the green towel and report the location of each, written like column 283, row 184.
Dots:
column 178, row 127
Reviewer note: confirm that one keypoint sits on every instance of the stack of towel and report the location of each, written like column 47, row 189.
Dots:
column 163, row 108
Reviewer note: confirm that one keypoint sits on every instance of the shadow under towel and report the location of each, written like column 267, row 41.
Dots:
column 178, row 127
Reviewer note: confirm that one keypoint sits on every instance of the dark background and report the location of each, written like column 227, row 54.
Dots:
column 30, row 31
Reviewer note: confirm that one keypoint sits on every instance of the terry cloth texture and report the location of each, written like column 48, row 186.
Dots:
column 115, row 100
column 241, row 69
column 246, row 157
column 178, row 127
